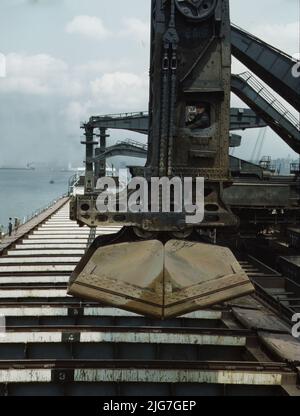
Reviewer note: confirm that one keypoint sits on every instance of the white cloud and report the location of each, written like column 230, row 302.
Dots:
column 110, row 93
column 41, row 65
column 122, row 91
column 39, row 74
column 2, row 66
column 94, row 87
column 136, row 28
column 94, row 28
column 88, row 26
column 96, row 67
column 75, row 112
column 280, row 35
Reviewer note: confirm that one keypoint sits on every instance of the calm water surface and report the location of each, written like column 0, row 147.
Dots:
column 23, row 192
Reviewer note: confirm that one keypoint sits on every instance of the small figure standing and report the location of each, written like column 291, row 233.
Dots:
column 1, row 232
column 10, row 227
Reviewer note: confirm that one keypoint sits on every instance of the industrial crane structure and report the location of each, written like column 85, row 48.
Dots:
column 188, row 126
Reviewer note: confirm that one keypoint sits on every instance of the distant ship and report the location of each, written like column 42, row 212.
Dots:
column 29, row 166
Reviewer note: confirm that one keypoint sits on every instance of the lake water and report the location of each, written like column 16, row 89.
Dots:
column 24, row 192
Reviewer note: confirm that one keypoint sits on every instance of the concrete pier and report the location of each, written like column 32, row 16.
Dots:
column 99, row 350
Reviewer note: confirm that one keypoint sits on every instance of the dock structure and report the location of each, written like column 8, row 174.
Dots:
column 54, row 344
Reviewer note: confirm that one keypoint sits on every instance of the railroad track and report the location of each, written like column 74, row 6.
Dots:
column 58, row 345
column 278, row 291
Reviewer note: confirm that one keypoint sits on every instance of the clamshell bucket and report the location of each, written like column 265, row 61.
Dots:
column 159, row 280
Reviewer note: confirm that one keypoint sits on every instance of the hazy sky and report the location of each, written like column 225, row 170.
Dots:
column 70, row 59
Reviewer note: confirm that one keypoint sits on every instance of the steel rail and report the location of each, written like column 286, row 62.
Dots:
column 138, row 329
column 252, row 366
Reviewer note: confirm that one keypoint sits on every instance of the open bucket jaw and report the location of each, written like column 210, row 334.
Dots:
column 157, row 280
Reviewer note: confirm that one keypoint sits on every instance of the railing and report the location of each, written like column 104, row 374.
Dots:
column 34, row 214
column 124, row 115
column 92, row 236
column 266, row 95
column 295, row 168
column 133, row 143
column 117, row 116
column 39, row 211
column 73, row 181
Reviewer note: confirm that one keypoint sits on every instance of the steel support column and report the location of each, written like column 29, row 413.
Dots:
column 89, row 164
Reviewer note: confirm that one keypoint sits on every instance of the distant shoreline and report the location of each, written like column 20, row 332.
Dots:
column 31, row 169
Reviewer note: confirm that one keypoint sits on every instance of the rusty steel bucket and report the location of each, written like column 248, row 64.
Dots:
column 158, row 279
